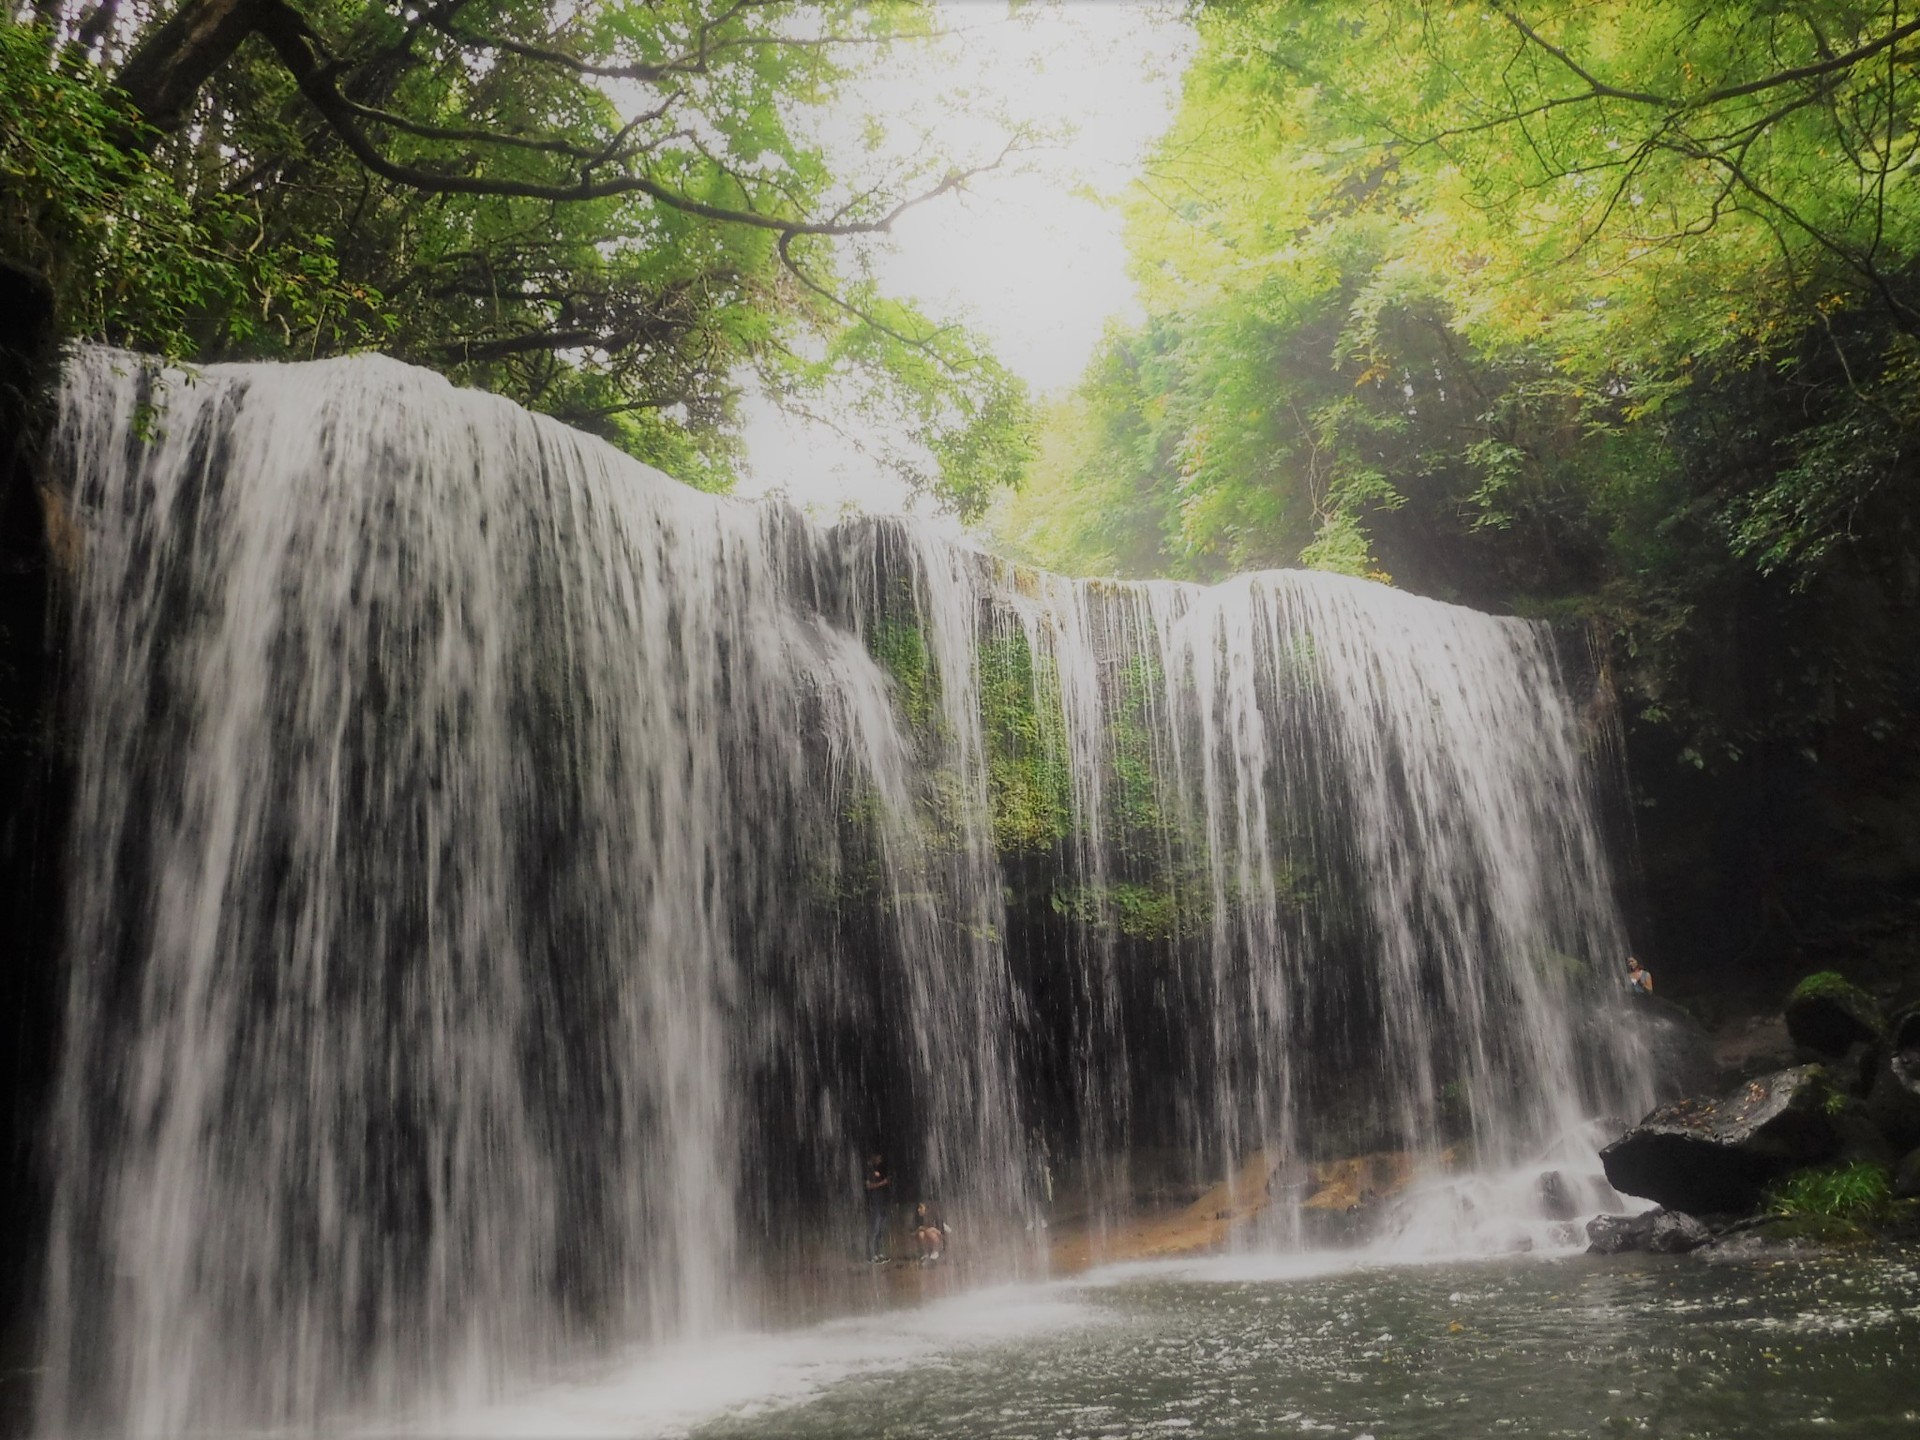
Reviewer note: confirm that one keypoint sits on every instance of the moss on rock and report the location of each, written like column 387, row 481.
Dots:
column 1827, row 1015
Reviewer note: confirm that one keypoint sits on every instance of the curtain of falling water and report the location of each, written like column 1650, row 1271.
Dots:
column 444, row 785
column 1389, row 906
column 509, row 890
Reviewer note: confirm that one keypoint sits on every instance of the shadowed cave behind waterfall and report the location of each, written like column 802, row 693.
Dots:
column 509, row 890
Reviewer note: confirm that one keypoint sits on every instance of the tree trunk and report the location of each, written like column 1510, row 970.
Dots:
column 167, row 69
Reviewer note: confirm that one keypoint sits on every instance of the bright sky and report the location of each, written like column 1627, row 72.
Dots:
column 1028, row 255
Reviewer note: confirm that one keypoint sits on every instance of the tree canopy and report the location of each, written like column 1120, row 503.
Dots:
column 615, row 213
column 1481, row 298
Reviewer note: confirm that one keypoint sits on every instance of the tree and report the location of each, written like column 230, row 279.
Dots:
column 610, row 212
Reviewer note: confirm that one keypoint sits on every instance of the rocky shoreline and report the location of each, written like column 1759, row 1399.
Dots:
column 1825, row 1150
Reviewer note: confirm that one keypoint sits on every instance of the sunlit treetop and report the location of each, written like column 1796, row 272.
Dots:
column 1419, row 265
column 1619, row 160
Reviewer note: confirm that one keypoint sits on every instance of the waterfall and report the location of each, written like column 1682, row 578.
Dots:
column 509, row 893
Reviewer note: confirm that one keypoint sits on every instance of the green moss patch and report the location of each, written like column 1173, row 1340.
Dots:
column 1824, row 985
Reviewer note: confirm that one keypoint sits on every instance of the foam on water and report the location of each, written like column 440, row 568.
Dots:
column 674, row 1388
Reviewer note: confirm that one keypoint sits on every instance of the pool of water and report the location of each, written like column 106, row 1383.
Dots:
column 1760, row 1346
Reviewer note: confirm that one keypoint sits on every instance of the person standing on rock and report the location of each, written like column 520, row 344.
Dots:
column 1639, row 981
column 879, row 1191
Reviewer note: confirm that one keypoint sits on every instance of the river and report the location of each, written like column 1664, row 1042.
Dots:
column 1755, row 1345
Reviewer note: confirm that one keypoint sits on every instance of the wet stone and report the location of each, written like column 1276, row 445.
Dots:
column 1659, row 1232
column 1555, row 1201
column 1708, row 1154
column 1680, row 1059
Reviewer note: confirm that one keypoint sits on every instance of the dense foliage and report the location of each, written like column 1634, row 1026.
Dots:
column 1426, row 256
column 619, row 213
column 1595, row 311
column 132, row 257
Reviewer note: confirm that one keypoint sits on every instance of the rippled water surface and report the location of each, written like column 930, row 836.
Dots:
column 1820, row 1346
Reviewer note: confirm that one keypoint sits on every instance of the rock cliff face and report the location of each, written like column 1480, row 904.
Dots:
column 32, row 809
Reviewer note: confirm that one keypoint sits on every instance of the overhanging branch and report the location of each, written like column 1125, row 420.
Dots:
column 303, row 54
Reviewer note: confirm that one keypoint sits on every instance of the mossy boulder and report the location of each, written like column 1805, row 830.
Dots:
column 1827, row 1015
column 1706, row 1155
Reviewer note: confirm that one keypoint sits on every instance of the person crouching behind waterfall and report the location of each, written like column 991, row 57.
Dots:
column 928, row 1233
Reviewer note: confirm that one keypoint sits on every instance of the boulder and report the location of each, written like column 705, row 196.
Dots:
column 1893, row 1102
column 1660, row 1232
column 1861, row 1141
column 1673, row 1233
column 1706, row 1155
column 1555, row 1196
column 1827, row 1015
column 1613, row 1234
column 1860, row 1138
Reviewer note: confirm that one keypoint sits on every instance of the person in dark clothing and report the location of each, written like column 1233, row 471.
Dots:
column 879, row 1191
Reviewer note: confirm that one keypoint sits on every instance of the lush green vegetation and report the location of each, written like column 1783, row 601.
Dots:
column 1438, row 287
column 1860, row 1191
column 133, row 257
column 614, row 213
column 1028, row 773
column 1454, row 251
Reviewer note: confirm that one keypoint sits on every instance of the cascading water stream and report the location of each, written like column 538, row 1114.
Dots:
column 509, row 892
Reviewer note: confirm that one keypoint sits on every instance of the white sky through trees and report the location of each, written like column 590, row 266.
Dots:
column 1028, row 255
